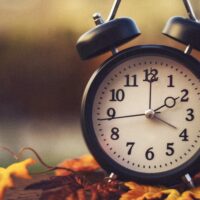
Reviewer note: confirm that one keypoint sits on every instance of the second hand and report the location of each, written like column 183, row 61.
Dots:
column 120, row 117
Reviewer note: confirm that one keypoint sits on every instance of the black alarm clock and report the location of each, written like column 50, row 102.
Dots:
column 141, row 108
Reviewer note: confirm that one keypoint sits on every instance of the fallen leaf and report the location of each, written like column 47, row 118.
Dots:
column 141, row 192
column 170, row 194
column 82, row 164
column 71, row 181
column 137, row 191
column 18, row 170
column 106, row 190
column 193, row 194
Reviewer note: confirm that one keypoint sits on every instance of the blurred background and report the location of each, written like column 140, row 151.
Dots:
column 42, row 78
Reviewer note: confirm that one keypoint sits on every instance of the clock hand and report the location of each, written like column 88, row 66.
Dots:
column 150, row 93
column 120, row 117
column 167, row 123
column 169, row 102
column 125, row 116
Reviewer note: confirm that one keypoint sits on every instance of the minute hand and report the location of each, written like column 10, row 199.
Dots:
column 120, row 117
column 165, row 122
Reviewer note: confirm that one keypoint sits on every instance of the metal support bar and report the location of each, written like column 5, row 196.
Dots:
column 114, row 10
column 193, row 17
column 190, row 10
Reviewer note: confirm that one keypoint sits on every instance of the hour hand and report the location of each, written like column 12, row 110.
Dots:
column 169, row 102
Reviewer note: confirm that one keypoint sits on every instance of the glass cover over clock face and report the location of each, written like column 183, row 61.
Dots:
column 145, row 114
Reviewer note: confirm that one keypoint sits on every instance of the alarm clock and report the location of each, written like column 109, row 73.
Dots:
column 140, row 110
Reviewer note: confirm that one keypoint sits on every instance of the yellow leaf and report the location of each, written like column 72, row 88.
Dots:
column 170, row 194
column 84, row 163
column 18, row 170
column 137, row 191
column 191, row 195
column 141, row 192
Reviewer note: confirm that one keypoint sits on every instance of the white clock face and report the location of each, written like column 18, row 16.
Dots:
column 146, row 114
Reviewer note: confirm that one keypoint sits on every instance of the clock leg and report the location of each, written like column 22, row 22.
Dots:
column 111, row 177
column 187, row 179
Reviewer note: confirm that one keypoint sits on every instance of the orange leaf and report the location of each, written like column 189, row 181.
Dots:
column 18, row 170
column 137, row 191
column 191, row 195
column 84, row 163
column 170, row 194
column 141, row 192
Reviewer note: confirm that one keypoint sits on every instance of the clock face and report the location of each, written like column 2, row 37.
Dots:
column 145, row 113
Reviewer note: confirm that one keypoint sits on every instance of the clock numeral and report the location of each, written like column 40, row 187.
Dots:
column 184, row 135
column 130, row 145
column 170, row 81
column 151, row 75
column 117, row 95
column 185, row 97
column 115, row 133
column 190, row 114
column 111, row 113
column 149, row 154
column 131, row 81
column 170, row 149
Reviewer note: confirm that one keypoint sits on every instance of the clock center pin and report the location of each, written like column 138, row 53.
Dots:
column 150, row 113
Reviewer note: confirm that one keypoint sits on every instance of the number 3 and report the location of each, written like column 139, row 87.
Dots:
column 190, row 114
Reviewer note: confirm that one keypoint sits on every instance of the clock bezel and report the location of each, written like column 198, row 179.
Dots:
column 169, row 177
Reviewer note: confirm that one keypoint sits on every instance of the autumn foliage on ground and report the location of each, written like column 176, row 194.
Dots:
column 18, row 170
column 83, row 179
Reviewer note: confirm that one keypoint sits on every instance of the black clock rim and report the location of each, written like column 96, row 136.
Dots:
column 167, row 178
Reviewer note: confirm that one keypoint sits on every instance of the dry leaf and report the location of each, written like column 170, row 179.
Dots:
column 84, row 163
column 140, row 192
column 194, row 194
column 18, row 170
column 73, row 182
column 137, row 191
column 107, row 190
column 170, row 194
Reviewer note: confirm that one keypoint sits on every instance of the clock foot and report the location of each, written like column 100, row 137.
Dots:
column 188, row 180
column 111, row 177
